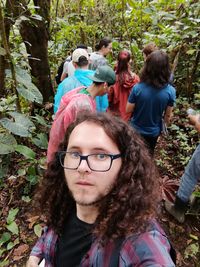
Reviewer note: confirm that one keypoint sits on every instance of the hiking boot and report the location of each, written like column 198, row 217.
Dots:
column 177, row 209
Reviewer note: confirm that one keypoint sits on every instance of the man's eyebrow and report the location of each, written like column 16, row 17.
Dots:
column 102, row 149
column 74, row 147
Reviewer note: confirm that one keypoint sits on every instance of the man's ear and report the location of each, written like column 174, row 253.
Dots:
column 105, row 84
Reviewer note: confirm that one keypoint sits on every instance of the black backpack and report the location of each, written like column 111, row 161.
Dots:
column 60, row 70
column 59, row 73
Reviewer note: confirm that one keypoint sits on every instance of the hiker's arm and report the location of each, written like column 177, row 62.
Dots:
column 195, row 120
column 130, row 107
column 168, row 115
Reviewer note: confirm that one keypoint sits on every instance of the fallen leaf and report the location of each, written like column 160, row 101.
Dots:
column 32, row 221
column 17, row 258
column 21, row 250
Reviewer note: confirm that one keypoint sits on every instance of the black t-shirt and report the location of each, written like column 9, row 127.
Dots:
column 73, row 243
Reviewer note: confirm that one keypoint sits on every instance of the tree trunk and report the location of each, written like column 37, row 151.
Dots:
column 35, row 34
column 3, row 63
column 35, row 37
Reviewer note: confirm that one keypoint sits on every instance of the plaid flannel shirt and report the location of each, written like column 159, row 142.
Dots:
column 150, row 248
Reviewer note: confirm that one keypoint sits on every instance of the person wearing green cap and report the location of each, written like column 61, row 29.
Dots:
column 81, row 98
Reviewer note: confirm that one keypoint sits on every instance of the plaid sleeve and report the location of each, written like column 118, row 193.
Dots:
column 45, row 246
column 150, row 249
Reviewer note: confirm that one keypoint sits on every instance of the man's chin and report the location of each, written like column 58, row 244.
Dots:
column 87, row 202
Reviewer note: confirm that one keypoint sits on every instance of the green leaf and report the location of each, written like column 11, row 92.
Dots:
column 41, row 140
column 191, row 250
column 7, row 143
column 31, row 93
column 33, row 179
column 5, row 238
column 38, row 230
column 21, row 125
column 1, row 252
column 191, row 51
column 13, row 244
column 21, row 172
column 13, row 228
column 27, row 89
column 11, row 215
column 37, row 17
column 4, row 263
column 25, row 151
column 194, row 237
column 26, row 199
column 40, row 120
column 196, row 193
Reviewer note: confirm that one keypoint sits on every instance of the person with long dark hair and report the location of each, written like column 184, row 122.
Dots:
column 125, row 79
column 152, row 99
column 100, row 196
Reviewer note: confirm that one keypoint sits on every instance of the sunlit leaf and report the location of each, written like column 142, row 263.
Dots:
column 191, row 51
column 26, row 199
column 38, row 17
column 191, row 250
column 11, row 215
column 38, row 230
column 13, row 228
column 194, row 237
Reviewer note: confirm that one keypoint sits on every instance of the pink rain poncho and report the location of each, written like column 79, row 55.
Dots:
column 71, row 103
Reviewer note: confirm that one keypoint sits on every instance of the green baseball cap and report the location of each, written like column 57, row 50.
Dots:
column 104, row 74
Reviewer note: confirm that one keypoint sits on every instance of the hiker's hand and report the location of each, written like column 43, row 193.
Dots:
column 33, row 261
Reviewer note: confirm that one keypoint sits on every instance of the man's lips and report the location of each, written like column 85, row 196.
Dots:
column 84, row 183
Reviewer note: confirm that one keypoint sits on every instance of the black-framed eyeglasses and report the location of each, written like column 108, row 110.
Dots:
column 99, row 162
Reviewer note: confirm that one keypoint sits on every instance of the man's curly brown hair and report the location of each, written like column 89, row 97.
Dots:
column 132, row 201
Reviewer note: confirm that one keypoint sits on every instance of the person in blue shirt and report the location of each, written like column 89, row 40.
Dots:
column 80, row 59
column 151, row 101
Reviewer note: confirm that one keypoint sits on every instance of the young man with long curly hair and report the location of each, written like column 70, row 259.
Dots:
column 99, row 196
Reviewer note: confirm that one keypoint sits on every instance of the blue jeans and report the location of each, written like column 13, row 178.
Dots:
column 190, row 177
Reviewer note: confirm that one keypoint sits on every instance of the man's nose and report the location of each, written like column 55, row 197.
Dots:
column 83, row 166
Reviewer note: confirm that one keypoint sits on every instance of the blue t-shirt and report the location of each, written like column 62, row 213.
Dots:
column 150, row 104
